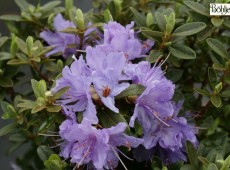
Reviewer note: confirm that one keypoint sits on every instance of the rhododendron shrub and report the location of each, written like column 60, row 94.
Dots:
column 128, row 85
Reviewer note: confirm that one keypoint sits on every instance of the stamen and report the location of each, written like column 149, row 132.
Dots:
column 42, row 134
column 83, row 51
column 165, row 59
column 118, row 157
column 85, row 154
column 124, row 155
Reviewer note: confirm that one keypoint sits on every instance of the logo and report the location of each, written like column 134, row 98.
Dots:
column 219, row 9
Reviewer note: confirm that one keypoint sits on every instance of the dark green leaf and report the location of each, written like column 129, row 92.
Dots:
column 202, row 35
column 217, row 21
column 212, row 166
column 3, row 40
column 133, row 89
column 174, row 74
column 22, row 4
column 154, row 56
column 109, row 119
column 138, row 17
column 53, row 108
column 17, row 62
column 7, row 129
column 6, row 82
column 225, row 93
column 191, row 153
column 5, row 56
column 182, row 51
column 218, row 47
column 203, row 160
column 216, row 100
column 50, row 5
column 203, row 92
column 198, row 7
column 22, row 45
column 212, row 77
column 11, row 17
column 60, row 92
column 107, row 16
column 46, row 124
column 189, row 29
column 44, row 152
column 154, row 35
column 161, row 22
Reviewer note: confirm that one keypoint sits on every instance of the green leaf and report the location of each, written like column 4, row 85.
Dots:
column 153, row 35
column 17, row 62
column 226, row 164
column 44, row 152
column 216, row 21
column 6, row 82
column 3, row 40
column 133, row 89
column 8, row 110
column 35, row 87
column 53, row 108
column 54, row 163
column 182, row 51
column 68, row 6
column 11, row 18
column 174, row 74
column 218, row 88
column 29, row 44
column 107, row 16
column 5, row 56
column 197, row 7
column 212, row 166
column 189, row 29
column 204, row 160
column 170, row 23
column 60, row 92
column 202, row 35
column 49, row 6
column 138, row 17
column 161, row 22
column 212, row 76
column 191, row 153
column 149, row 20
column 22, row 45
column 7, row 129
column 109, row 118
column 80, row 19
column 22, row 4
column 218, row 47
column 154, row 56
column 225, row 93
column 203, row 92
column 41, row 87
column 216, row 100
column 38, row 108
column 46, row 124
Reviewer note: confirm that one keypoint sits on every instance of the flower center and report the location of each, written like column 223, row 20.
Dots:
column 106, row 91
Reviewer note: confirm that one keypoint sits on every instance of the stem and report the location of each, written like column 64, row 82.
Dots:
column 39, row 72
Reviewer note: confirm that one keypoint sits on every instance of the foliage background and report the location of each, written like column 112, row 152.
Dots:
column 202, row 80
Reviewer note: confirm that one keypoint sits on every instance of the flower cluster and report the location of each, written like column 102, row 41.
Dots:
column 93, row 83
column 66, row 43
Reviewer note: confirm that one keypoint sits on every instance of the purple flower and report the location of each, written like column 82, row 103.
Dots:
column 154, row 103
column 107, row 87
column 67, row 43
column 58, row 40
column 122, row 39
column 85, row 144
column 142, row 73
column 78, row 97
column 147, row 45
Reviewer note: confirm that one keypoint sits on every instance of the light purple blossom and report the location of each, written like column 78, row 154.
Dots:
column 154, row 103
column 146, row 46
column 58, row 40
column 66, row 43
column 78, row 97
column 85, row 144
